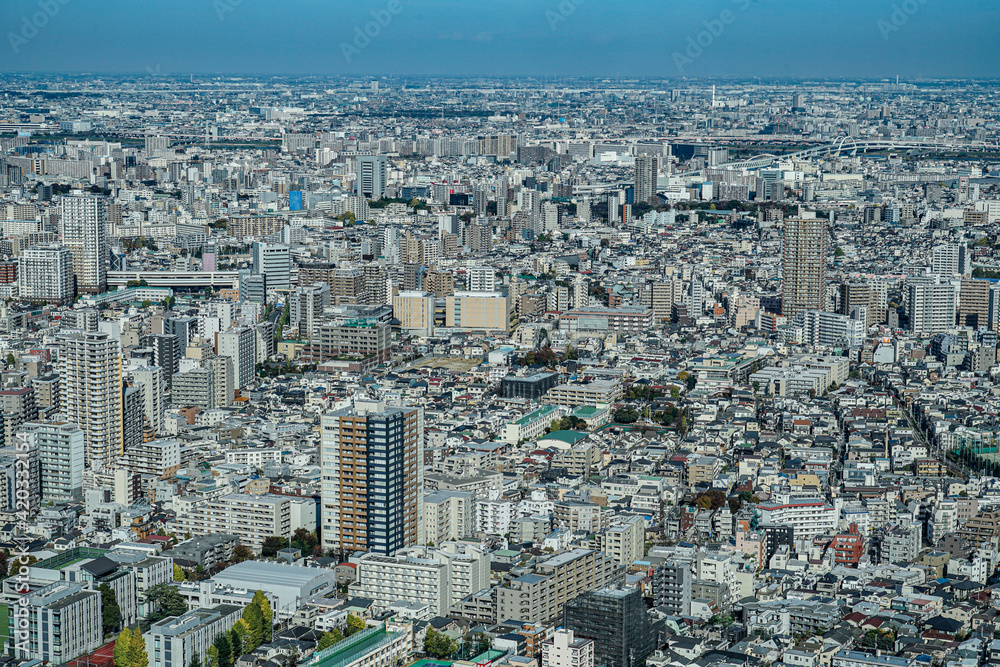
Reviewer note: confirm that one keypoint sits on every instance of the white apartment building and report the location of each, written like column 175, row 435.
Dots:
column 493, row 517
column 176, row 640
column 808, row 516
column 238, row 345
column 437, row 578
column 45, row 274
column 566, row 650
column 251, row 518
column 448, row 515
column 90, row 368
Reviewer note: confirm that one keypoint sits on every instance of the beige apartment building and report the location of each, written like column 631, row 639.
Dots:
column 478, row 311
column 539, row 597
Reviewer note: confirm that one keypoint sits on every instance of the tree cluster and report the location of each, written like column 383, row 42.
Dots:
column 567, row 424
column 439, row 645
column 626, row 415
column 544, row 357
column 246, row 634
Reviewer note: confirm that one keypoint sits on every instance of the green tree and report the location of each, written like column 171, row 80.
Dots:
column 326, row 640
column 110, row 611
column 255, row 627
column 241, row 553
column 224, row 649
column 130, row 649
column 237, row 637
column 122, row 644
column 304, row 540
column 839, row 252
column 195, row 660
column 11, row 361
column 271, row 546
column 137, row 651
column 354, row 624
column 179, row 574
column 165, row 601
column 213, row 656
column 626, row 416
column 438, row 644
column 267, row 614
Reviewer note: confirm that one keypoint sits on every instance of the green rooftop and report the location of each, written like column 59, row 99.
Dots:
column 540, row 412
column 353, row 648
column 70, row 557
column 570, row 437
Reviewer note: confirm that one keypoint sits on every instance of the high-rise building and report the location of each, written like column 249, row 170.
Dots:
column 150, row 381
column 238, row 345
column 931, row 307
column 306, row 307
column 974, row 303
column 17, row 406
column 372, row 176
column 224, row 382
column 550, row 217
column 871, row 297
column 501, row 145
column 479, row 238
column 502, row 194
column 167, row 353
column 83, row 233
column 61, row 454
column 616, row 619
column 90, row 365
column 951, row 259
column 133, row 416
column 195, row 387
column 371, row 470
column 45, row 274
column 274, row 262
column 804, row 252
column 647, row 169
column 347, row 286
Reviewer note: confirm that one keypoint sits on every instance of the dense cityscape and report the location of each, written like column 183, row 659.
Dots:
column 499, row 372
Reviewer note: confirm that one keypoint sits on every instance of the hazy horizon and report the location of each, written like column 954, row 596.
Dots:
column 770, row 39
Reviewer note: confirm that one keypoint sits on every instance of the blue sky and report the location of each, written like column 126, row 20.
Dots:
column 766, row 38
